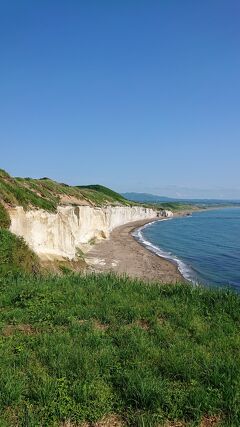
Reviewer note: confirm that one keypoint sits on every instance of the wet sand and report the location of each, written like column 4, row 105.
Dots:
column 122, row 254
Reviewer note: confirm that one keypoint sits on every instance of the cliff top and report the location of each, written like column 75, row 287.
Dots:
column 47, row 194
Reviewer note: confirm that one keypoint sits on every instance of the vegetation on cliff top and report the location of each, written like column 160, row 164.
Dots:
column 175, row 206
column 48, row 194
column 105, row 192
column 79, row 348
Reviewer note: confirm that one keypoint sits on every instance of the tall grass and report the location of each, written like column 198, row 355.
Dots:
column 15, row 256
column 79, row 347
column 4, row 217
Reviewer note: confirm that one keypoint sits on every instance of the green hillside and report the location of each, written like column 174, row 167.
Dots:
column 48, row 194
column 105, row 192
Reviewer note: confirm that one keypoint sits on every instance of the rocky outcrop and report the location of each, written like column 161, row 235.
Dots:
column 167, row 214
column 59, row 235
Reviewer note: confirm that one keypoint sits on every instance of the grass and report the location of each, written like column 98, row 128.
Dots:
column 15, row 255
column 106, row 193
column 76, row 348
column 48, row 194
column 177, row 206
column 4, row 217
column 172, row 206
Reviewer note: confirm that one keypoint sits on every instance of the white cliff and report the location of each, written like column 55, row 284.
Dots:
column 166, row 213
column 60, row 234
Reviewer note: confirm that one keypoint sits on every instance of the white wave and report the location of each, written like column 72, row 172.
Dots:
column 184, row 269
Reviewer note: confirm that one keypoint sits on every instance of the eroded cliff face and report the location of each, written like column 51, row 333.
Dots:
column 60, row 234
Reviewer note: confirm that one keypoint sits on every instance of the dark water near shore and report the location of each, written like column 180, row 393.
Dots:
column 206, row 245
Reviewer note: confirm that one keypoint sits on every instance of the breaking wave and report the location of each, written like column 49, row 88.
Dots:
column 184, row 269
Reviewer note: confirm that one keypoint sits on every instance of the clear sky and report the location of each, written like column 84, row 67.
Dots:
column 136, row 95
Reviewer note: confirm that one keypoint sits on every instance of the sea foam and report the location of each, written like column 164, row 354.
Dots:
column 184, row 269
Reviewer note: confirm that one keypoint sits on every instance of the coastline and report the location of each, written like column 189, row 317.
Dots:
column 123, row 254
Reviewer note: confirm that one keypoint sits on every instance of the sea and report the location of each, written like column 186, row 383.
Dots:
column 205, row 245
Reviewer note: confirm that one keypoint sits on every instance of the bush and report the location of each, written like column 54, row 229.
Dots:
column 15, row 255
column 4, row 217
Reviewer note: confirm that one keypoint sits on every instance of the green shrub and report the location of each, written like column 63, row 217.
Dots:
column 15, row 255
column 4, row 217
column 64, row 269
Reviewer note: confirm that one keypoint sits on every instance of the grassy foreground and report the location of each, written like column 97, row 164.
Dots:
column 78, row 348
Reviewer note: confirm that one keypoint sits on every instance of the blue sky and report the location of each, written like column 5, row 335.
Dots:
column 136, row 95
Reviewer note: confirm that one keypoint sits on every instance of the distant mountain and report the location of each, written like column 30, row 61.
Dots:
column 147, row 198
column 153, row 198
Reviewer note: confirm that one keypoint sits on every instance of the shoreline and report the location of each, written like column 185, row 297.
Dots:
column 156, row 250
column 123, row 254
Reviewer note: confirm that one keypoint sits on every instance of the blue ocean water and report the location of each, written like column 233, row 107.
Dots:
column 205, row 245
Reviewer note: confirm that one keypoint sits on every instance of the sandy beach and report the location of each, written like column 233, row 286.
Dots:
column 122, row 254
